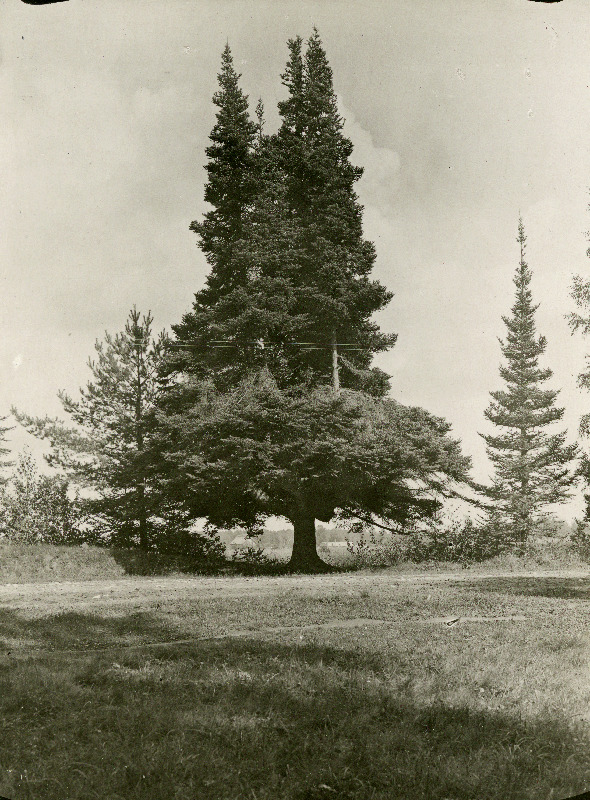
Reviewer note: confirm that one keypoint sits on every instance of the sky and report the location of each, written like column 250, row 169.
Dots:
column 463, row 113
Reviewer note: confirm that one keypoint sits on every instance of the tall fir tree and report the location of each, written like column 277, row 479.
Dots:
column 334, row 290
column 276, row 409
column 300, row 299
column 532, row 466
column 230, row 189
column 231, row 181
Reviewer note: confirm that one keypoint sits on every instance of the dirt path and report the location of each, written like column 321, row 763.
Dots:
column 86, row 594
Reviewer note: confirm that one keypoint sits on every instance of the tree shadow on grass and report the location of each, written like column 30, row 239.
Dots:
column 247, row 717
column 325, row 722
column 563, row 588
column 77, row 631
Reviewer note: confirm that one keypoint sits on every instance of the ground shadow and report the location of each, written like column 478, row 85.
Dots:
column 563, row 588
column 72, row 630
column 249, row 717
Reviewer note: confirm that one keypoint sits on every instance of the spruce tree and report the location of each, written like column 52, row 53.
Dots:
column 332, row 275
column 532, row 466
column 276, row 409
column 230, row 189
column 298, row 298
column 231, row 181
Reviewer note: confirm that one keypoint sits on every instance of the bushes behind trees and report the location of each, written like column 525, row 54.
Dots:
column 40, row 509
column 459, row 541
column 463, row 542
column 37, row 508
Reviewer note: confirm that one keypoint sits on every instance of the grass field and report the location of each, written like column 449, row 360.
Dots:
column 344, row 686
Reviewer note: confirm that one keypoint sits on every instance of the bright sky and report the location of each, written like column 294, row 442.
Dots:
column 463, row 113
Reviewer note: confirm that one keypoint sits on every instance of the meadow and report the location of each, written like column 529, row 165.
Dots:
column 347, row 686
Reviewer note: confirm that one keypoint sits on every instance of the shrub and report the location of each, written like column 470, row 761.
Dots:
column 25, row 563
column 371, row 551
column 464, row 542
column 580, row 539
column 252, row 559
column 37, row 508
column 183, row 542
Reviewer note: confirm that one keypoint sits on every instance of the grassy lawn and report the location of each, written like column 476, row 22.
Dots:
column 268, row 700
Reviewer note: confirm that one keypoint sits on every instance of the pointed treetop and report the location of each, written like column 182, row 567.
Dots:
column 292, row 78
column 532, row 466
column 319, row 80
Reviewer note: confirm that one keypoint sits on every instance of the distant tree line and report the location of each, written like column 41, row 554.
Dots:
column 263, row 401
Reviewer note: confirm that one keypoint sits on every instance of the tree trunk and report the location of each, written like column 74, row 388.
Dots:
column 335, row 366
column 142, row 515
column 304, row 557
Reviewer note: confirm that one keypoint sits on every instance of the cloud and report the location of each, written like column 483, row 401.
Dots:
column 380, row 181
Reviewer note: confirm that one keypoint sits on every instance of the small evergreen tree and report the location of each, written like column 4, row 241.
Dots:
column 106, row 451
column 532, row 466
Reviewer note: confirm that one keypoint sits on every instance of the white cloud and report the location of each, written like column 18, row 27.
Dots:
column 381, row 165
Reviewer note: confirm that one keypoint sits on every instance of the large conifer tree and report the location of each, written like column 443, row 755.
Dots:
column 532, row 466
column 294, row 265
column 231, row 182
column 332, row 275
column 277, row 410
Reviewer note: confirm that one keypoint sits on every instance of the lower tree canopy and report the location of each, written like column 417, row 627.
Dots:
column 240, row 456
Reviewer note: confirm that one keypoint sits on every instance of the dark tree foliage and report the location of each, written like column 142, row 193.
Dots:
column 272, row 405
column 332, row 272
column 532, row 466
column 231, row 182
column 240, row 456
column 297, row 296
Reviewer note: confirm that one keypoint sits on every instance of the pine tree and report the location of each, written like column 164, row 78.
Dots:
column 532, row 466
column 106, row 449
